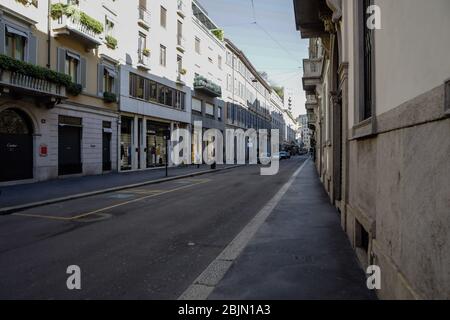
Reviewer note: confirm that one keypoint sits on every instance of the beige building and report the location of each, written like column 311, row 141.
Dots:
column 378, row 106
column 58, row 103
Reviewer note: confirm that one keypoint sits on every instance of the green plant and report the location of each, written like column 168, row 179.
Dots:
column 93, row 24
column 219, row 33
column 109, row 97
column 57, row 10
column 146, row 52
column 74, row 89
column 183, row 71
column 28, row 69
column 111, row 42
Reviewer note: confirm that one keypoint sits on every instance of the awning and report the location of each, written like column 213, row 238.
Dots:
column 10, row 29
column 73, row 55
column 111, row 72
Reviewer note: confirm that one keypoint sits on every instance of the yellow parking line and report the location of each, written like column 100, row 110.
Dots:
column 40, row 216
column 110, row 207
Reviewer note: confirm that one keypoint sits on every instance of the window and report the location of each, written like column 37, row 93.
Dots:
column 368, row 63
column 210, row 60
column 161, row 94
column 179, row 63
column 228, row 61
column 142, row 45
column 163, row 17
column 109, row 27
column 219, row 62
column 197, row 45
column 108, row 80
column 209, row 109
column 179, row 33
column 229, row 83
column 162, row 56
column 72, row 66
column 196, row 105
column 169, row 96
column 151, row 91
column 219, row 113
column 140, row 88
column 15, row 43
column 179, row 100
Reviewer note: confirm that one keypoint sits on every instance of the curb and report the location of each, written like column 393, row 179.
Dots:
column 13, row 209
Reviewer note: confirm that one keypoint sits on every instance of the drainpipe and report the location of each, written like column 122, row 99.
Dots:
column 49, row 37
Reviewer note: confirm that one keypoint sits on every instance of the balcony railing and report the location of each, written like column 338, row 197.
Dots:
column 207, row 86
column 311, row 118
column 181, row 8
column 75, row 29
column 144, row 17
column 311, row 102
column 181, row 78
column 181, row 43
column 143, row 60
column 31, row 85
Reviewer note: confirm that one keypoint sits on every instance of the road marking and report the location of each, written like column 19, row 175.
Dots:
column 205, row 283
column 110, row 207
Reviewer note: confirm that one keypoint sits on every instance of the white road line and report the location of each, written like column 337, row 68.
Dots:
column 203, row 286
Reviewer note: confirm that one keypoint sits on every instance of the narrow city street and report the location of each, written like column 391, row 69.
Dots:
column 149, row 242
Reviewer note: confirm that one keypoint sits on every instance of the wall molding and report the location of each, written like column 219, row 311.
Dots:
column 430, row 106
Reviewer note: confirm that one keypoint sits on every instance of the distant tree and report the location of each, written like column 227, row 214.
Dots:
column 279, row 90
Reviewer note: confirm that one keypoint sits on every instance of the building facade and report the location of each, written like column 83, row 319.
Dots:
column 92, row 87
column 154, row 76
column 378, row 109
column 55, row 123
column 304, row 132
column 247, row 95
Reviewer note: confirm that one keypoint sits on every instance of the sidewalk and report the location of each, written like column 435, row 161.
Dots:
column 58, row 188
column 300, row 252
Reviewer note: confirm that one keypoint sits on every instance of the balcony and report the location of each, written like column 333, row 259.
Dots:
column 181, row 43
column 181, row 8
column 144, row 18
column 308, row 15
column 312, row 73
column 311, row 102
column 72, row 28
column 207, row 86
column 21, row 84
column 143, row 61
column 181, row 78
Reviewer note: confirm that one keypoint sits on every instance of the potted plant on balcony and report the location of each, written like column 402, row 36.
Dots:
column 111, row 42
column 146, row 52
column 109, row 97
column 74, row 89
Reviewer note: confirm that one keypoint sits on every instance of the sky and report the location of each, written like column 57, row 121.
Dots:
column 272, row 44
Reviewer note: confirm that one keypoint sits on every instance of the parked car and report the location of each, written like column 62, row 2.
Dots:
column 284, row 155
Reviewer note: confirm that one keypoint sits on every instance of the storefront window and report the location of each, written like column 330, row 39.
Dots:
column 126, row 143
column 156, row 144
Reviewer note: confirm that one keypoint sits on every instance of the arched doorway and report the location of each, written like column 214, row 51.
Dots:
column 16, row 145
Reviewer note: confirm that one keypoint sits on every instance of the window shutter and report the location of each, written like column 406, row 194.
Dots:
column 32, row 49
column 61, row 60
column 2, row 38
column 117, row 83
column 83, row 72
column 100, row 71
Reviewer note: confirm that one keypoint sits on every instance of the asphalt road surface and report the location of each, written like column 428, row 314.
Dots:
column 149, row 242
